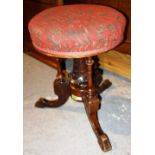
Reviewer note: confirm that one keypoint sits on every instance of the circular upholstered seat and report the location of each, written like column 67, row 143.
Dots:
column 75, row 31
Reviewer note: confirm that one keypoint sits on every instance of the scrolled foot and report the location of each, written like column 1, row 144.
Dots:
column 41, row 103
column 61, row 89
column 104, row 142
column 92, row 107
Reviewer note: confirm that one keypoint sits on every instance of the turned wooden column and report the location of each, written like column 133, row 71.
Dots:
column 79, row 73
column 89, row 63
column 78, row 78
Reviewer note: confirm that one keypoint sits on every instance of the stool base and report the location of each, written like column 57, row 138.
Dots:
column 65, row 87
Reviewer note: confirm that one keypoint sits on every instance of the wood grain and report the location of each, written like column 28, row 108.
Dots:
column 116, row 62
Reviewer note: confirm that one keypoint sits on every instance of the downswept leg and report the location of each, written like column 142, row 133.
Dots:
column 99, row 83
column 92, row 105
column 61, row 89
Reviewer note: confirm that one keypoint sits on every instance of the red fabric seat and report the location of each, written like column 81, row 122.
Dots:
column 75, row 31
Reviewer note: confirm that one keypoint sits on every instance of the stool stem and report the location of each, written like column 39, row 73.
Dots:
column 89, row 63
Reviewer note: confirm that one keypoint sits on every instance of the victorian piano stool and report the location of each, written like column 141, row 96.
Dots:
column 80, row 32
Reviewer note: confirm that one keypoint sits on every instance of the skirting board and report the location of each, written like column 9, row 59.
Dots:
column 116, row 62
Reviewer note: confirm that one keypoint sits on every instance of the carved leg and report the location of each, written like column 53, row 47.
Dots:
column 61, row 89
column 103, row 86
column 99, row 83
column 92, row 105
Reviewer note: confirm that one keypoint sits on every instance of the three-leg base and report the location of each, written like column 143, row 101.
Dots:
column 90, row 98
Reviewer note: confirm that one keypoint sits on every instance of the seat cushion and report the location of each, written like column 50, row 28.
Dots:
column 75, row 31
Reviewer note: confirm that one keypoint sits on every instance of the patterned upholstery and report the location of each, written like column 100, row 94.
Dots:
column 77, row 31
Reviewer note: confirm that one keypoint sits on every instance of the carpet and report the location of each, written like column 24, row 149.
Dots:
column 66, row 130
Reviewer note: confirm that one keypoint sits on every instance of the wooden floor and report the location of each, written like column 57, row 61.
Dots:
column 116, row 62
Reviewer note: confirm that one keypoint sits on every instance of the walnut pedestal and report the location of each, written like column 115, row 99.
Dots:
column 85, row 83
